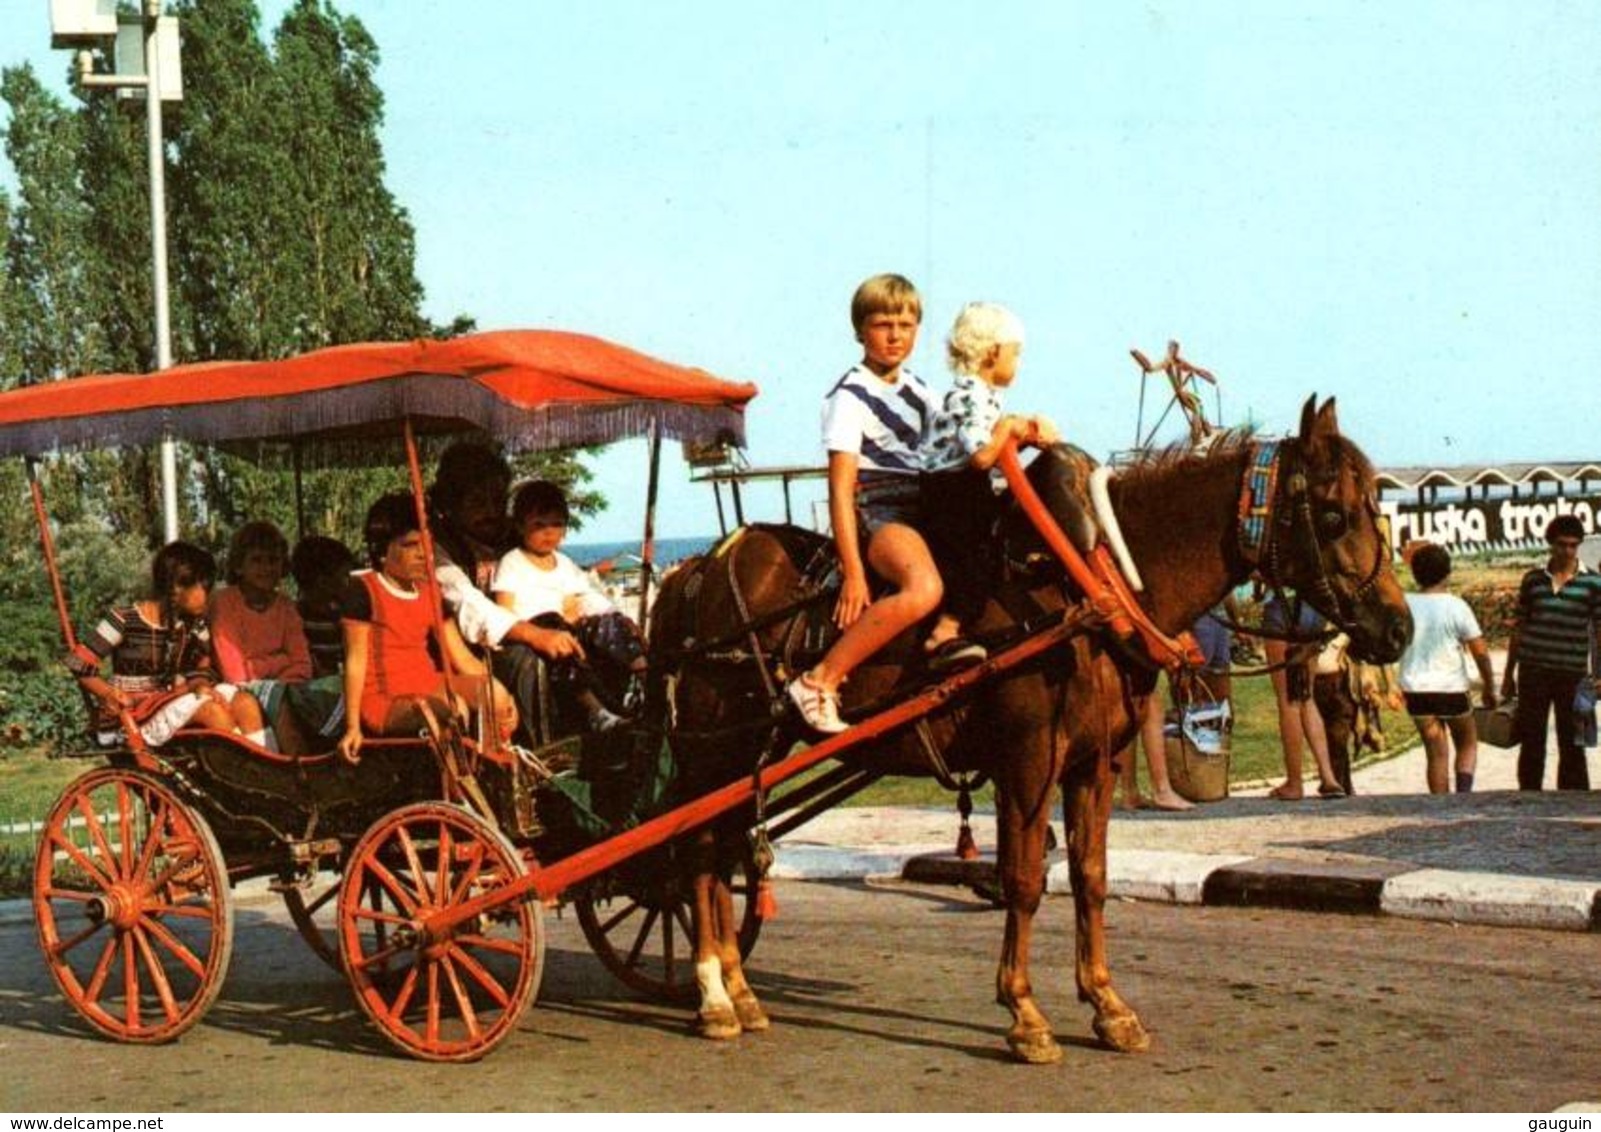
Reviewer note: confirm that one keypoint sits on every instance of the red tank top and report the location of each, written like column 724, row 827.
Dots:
column 398, row 663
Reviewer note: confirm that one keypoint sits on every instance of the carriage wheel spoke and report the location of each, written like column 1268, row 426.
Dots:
column 470, row 874
column 97, row 979
column 463, row 1003
column 378, row 957
column 642, row 938
column 126, row 817
column 490, row 943
column 380, row 873
column 419, row 875
column 681, row 914
column 172, row 943
column 200, row 911
column 97, row 834
column 379, row 917
column 158, row 976
column 408, row 987
column 130, row 980
column 70, row 942
column 83, row 860
column 155, row 840
column 68, row 894
column 316, row 905
column 628, row 910
column 482, row 975
column 442, row 866
column 432, row 1023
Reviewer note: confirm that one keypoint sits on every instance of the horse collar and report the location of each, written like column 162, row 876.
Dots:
column 1257, row 494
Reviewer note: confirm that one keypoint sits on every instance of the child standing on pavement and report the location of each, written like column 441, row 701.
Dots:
column 874, row 420
column 1434, row 679
column 959, row 454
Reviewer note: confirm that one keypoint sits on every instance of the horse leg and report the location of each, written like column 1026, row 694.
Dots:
column 716, row 1018
column 1021, row 858
column 1087, row 808
column 747, row 1008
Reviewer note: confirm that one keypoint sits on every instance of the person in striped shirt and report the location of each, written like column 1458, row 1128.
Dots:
column 874, row 421
column 1559, row 609
column 159, row 651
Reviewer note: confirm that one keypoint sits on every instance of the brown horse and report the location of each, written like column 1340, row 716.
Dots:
column 1301, row 513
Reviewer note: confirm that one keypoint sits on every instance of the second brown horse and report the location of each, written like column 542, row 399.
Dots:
column 1301, row 514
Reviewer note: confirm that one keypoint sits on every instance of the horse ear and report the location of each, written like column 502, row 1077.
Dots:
column 1318, row 424
column 1308, row 417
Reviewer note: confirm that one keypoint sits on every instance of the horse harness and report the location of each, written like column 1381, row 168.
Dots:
column 1276, row 506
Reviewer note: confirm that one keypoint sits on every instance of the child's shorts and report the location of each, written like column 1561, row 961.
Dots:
column 886, row 498
column 1214, row 639
column 1440, row 705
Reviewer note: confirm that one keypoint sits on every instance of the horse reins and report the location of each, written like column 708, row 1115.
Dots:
column 1275, row 505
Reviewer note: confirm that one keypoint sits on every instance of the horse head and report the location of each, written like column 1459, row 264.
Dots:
column 1326, row 542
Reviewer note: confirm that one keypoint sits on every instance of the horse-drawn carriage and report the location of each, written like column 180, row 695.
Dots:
column 422, row 872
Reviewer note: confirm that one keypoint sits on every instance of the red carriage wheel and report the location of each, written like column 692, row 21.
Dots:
column 132, row 906
column 456, row 996
column 637, row 920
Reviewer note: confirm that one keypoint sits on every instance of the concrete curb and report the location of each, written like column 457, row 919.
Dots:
column 1354, row 888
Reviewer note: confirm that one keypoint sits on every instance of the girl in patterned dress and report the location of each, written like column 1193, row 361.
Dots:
column 160, row 652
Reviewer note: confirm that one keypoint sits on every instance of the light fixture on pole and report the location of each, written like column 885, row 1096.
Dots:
column 144, row 52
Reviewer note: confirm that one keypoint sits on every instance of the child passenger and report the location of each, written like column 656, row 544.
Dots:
column 256, row 630
column 160, row 653
column 391, row 681
column 960, row 450
column 321, row 567
column 540, row 584
column 873, row 423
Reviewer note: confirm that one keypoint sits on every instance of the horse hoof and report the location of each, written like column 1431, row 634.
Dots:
column 1124, row 1033
column 718, row 1025
column 750, row 1013
column 1037, row 1047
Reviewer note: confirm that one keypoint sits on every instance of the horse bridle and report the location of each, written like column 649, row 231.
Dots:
column 1275, row 507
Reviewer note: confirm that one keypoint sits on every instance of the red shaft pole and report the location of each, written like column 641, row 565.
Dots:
column 548, row 882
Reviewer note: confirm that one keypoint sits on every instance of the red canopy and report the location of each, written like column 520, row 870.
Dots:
column 526, row 388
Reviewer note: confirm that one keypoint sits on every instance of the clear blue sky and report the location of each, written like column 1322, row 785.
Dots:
column 1396, row 203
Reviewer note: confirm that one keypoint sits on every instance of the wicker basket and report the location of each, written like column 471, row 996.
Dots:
column 1198, row 752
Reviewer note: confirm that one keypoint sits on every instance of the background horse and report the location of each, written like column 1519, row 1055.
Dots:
column 1302, row 513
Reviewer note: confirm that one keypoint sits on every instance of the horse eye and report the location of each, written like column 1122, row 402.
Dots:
column 1333, row 522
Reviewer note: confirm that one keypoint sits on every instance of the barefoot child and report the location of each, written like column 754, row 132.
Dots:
column 873, row 424
column 959, row 453
column 160, row 653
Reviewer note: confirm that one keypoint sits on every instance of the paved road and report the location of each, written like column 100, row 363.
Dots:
column 882, row 1000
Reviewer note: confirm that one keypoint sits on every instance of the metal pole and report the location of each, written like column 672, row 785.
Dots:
column 158, row 248
column 647, row 548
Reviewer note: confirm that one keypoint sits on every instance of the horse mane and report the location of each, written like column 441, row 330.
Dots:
column 1183, row 455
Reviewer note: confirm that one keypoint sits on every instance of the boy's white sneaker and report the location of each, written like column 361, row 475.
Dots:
column 820, row 709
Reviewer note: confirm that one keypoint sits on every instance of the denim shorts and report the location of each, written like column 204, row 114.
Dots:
column 885, row 499
column 1214, row 639
column 1276, row 618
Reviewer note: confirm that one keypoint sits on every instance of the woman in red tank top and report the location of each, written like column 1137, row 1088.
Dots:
column 389, row 625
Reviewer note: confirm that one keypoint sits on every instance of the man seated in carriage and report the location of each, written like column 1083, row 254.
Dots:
column 468, row 502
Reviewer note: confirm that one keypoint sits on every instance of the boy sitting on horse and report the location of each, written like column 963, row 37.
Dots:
column 873, row 423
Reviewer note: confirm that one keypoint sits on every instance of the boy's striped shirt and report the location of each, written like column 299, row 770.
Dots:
column 883, row 423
